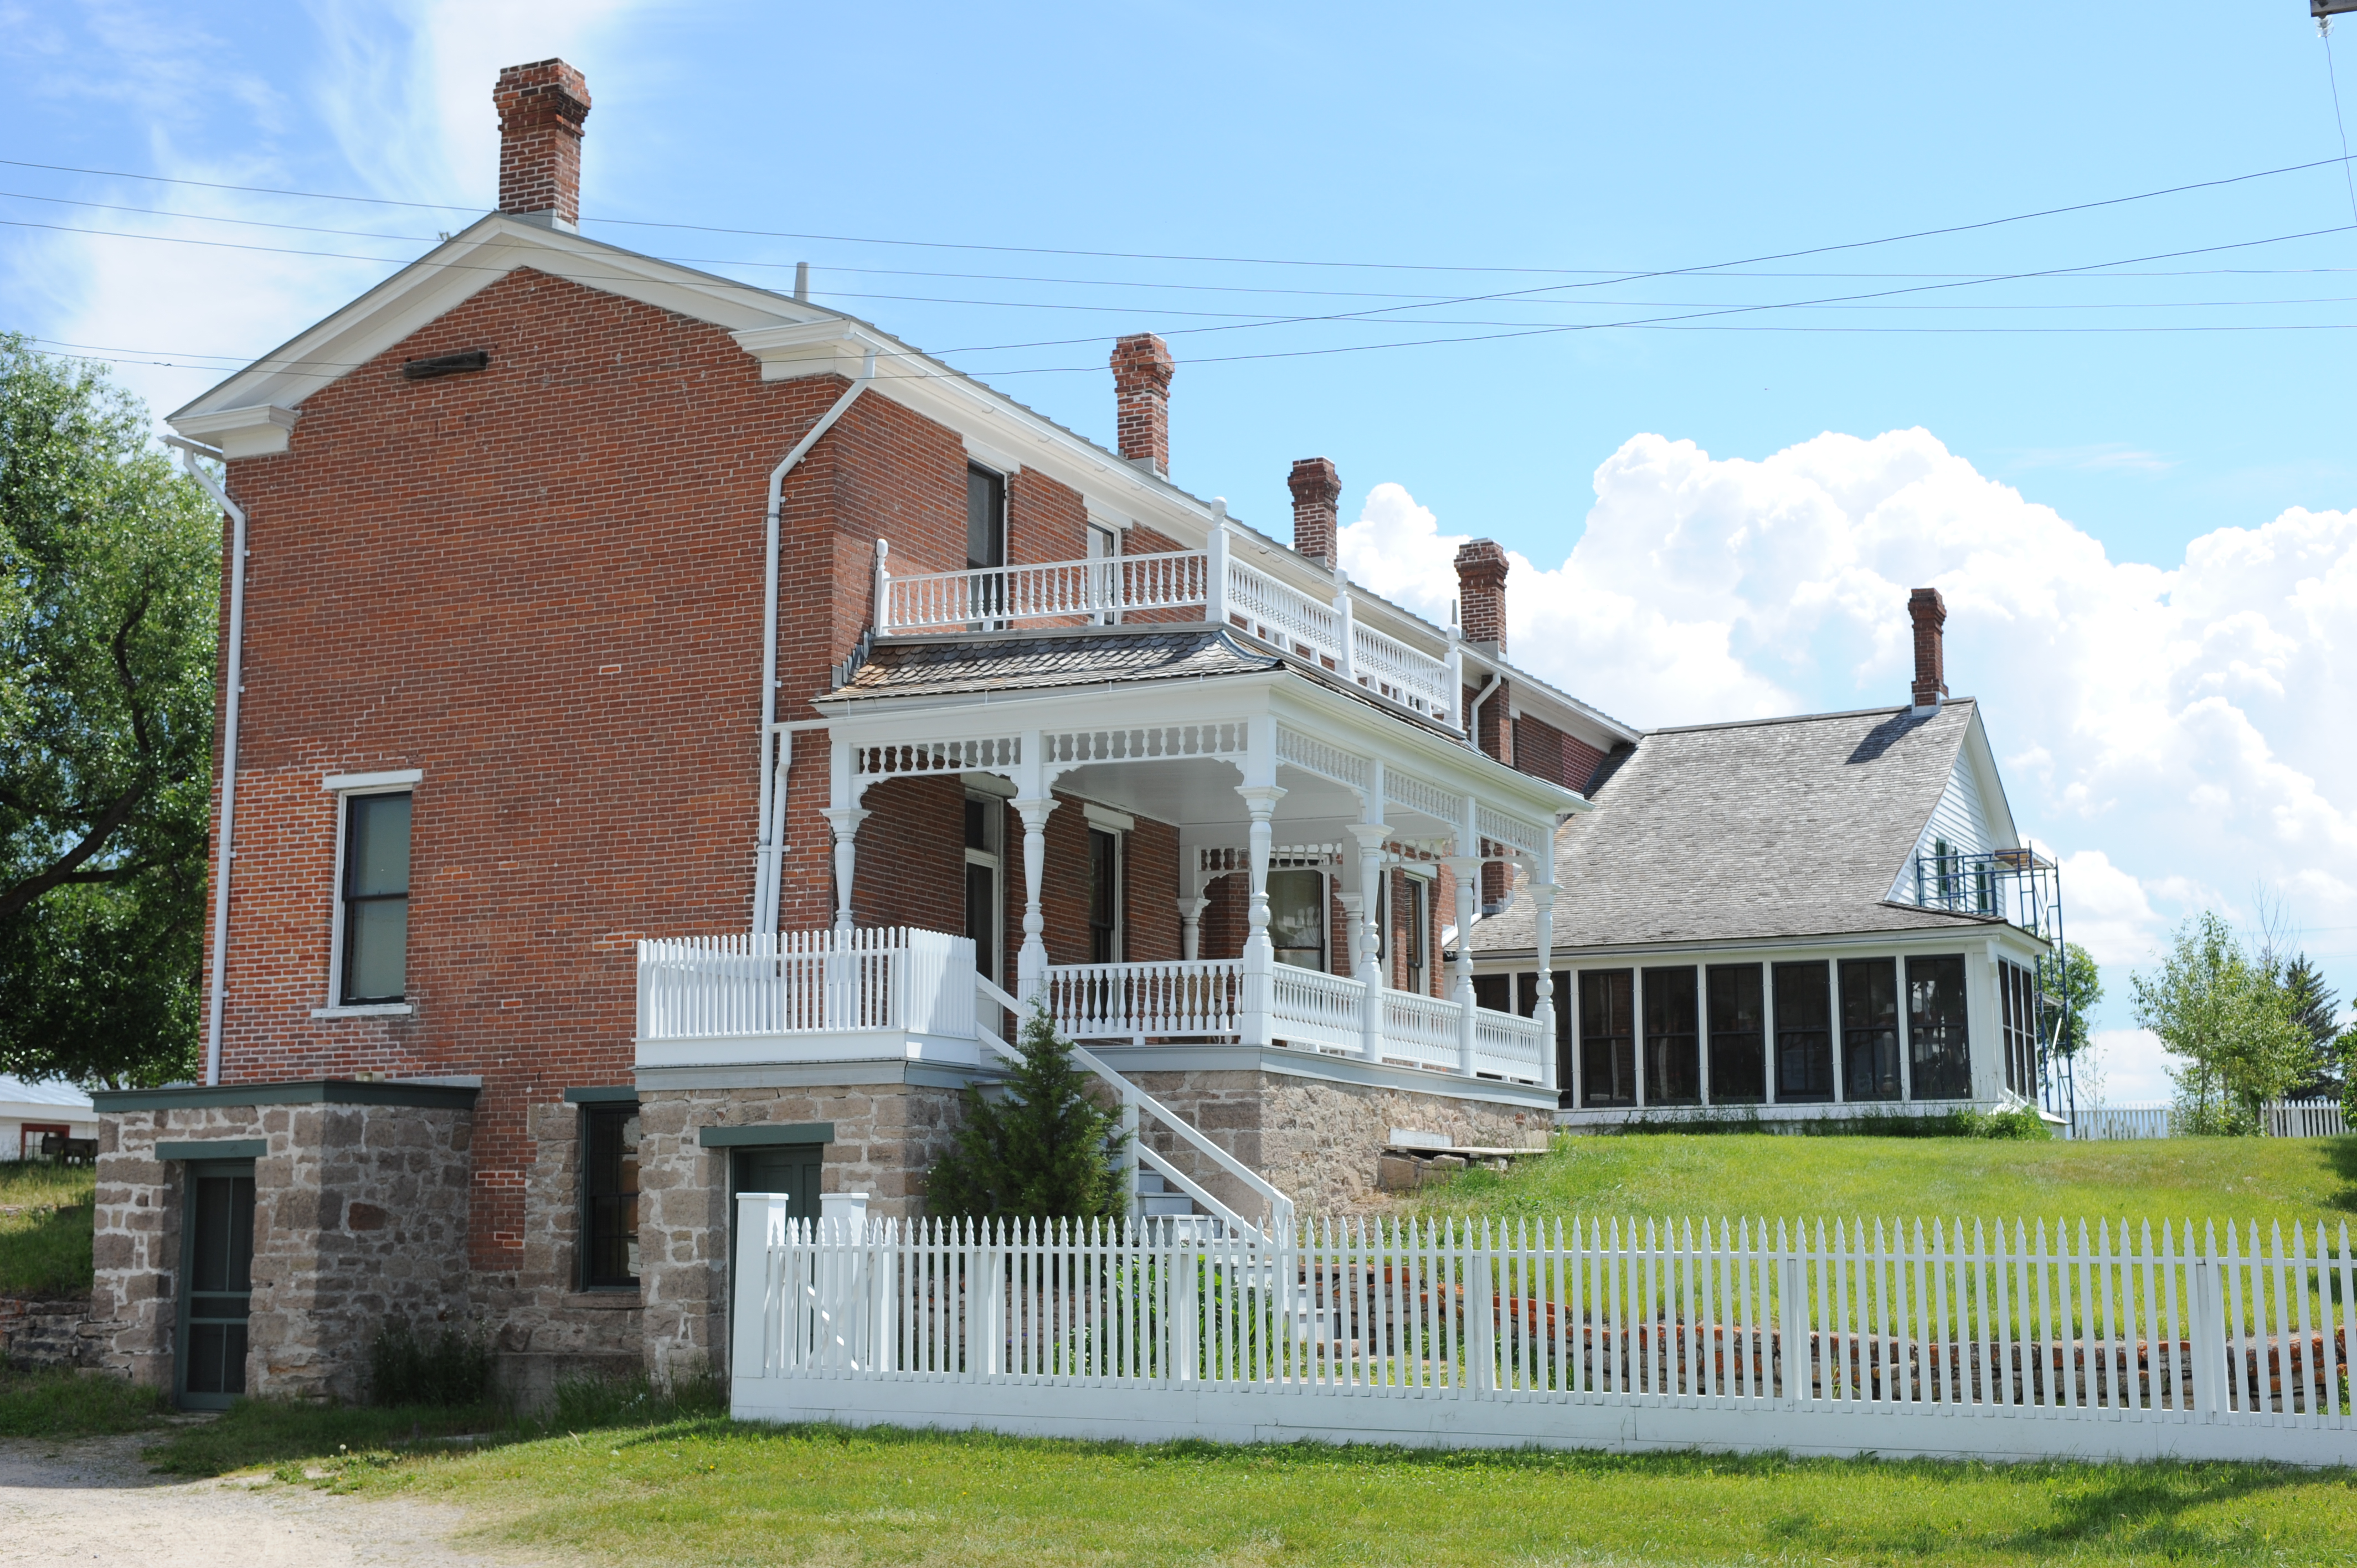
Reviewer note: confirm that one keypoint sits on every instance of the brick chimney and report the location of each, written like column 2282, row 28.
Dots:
column 1481, row 592
column 1315, row 488
column 1930, row 613
column 1141, row 390
column 541, row 107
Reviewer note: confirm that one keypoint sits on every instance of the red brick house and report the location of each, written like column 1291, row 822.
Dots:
column 666, row 727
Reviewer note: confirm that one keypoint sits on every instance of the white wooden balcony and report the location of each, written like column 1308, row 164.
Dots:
column 1224, row 589
column 908, row 993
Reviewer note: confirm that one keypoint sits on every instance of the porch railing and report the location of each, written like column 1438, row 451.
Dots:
column 1227, row 590
column 804, row 983
column 1121, row 1001
column 1505, row 1046
column 1422, row 1030
column 1073, row 592
column 1326, row 1012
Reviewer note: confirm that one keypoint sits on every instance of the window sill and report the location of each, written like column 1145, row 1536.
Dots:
column 605, row 1298
column 368, row 1010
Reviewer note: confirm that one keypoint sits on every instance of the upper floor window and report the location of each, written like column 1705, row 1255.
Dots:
column 374, row 964
column 986, row 518
column 1104, row 896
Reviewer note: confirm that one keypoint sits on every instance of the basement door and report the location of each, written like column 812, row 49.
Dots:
column 216, row 1274
column 790, row 1168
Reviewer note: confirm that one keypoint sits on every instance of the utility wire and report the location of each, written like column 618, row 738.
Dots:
column 2332, row 80
column 1235, row 261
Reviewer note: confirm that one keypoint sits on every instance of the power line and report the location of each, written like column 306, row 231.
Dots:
column 1225, row 261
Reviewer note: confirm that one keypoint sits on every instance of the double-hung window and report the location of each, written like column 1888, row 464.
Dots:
column 985, row 545
column 983, row 819
column 1104, row 896
column 371, row 927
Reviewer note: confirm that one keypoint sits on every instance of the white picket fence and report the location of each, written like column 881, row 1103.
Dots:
column 2155, row 1119
column 1950, row 1338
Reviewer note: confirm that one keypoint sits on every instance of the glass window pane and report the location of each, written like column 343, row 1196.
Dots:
column 1738, row 1058
column 376, row 939
column 1941, row 1054
column 1805, row 1046
column 1296, row 916
column 1673, row 1057
column 1870, row 1001
column 984, row 505
column 376, row 859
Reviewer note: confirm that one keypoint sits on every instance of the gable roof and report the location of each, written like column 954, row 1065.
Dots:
column 1775, row 828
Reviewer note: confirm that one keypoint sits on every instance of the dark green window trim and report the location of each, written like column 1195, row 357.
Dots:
column 766, row 1133
column 214, row 1149
column 617, row 1095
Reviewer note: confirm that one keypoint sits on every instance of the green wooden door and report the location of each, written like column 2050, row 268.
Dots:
column 790, row 1168
column 217, row 1275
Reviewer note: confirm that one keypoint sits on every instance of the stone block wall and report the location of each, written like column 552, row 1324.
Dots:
column 886, row 1136
column 543, row 1326
column 1317, row 1139
column 361, row 1213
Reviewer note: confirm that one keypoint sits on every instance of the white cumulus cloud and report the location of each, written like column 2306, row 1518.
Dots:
column 2179, row 734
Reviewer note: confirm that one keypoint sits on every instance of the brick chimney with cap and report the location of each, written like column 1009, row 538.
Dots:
column 1930, row 613
column 1141, row 390
column 541, row 108
column 1481, row 592
column 1315, row 489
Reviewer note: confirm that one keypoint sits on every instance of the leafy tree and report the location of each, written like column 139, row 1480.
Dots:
column 109, row 596
column 2082, row 983
column 1045, row 1151
column 2222, row 1011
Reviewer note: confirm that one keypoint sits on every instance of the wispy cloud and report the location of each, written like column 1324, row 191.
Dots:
column 2109, row 456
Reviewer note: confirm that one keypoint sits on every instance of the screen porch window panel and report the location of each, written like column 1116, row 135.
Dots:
column 1526, row 1005
column 376, row 898
column 1942, row 1054
column 1869, row 1003
column 1805, row 1040
column 1673, row 1044
column 1738, row 1041
column 1608, row 1037
column 609, row 1198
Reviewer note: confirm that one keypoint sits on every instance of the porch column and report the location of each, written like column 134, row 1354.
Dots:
column 1543, row 912
column 1260, row 954
column 1466, row 869
column 1192, row 903
column 1369, row 947
column 1031, row 960
column 845, row 821
column 844, row 815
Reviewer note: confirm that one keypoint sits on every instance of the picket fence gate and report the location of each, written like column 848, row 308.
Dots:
column 1953, row 1337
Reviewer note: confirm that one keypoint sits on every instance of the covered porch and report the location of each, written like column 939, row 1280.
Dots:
column 1324, row 840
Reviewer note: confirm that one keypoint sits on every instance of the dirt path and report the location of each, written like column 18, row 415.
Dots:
column 93, row 1503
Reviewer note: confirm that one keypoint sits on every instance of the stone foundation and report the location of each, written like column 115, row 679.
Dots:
column 886, row 1136
column 359, row 1215
column 46, row 1333
column 1318, row 1138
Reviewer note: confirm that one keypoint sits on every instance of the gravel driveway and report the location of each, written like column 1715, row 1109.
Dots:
column 93, row 1501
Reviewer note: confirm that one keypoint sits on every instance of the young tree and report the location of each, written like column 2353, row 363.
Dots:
column 2315, row 1011
column 109, row 597
column 2082, row 983
column 1045, row 1151
column 2219, row 1009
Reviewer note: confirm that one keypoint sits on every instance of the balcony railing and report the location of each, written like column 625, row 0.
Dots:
column 897, row 992
column 1227, row 591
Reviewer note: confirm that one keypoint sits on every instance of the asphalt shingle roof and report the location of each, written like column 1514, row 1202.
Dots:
column 1019, row 662
column 1783, row 828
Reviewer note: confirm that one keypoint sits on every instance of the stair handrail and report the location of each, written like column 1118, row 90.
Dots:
column 1280, row 1207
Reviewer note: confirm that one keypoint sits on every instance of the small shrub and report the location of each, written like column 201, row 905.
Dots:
column 452, row 1367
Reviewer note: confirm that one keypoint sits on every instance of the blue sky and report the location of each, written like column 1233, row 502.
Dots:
column 2096, row 468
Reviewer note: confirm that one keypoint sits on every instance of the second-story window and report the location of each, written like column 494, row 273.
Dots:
column 375, row 960
column 986, row 539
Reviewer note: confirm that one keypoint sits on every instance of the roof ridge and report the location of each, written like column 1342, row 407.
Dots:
column 1945, row 704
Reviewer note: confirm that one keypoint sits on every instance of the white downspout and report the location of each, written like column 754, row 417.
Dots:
column 190, row 452
column 1473, row 710
column 766, row 844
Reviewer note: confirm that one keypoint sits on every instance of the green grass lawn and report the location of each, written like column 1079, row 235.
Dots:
column 45, row 1227
column 717, row 1492
column 1668, row 1175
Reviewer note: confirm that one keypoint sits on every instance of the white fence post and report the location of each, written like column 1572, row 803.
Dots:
column 759, row 1315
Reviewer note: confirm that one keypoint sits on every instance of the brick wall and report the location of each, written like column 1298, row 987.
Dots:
column 1547, row 752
